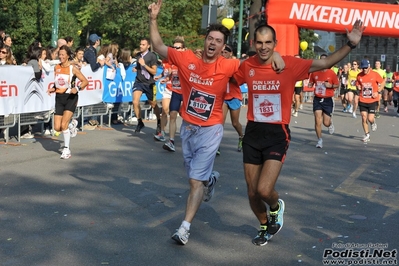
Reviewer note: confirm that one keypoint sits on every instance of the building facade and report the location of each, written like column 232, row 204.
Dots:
column 374, row 48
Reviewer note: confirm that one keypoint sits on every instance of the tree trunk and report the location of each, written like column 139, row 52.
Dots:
column 255, row 18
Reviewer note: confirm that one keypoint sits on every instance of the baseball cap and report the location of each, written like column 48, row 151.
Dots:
column 365, row 63
column 94, row 37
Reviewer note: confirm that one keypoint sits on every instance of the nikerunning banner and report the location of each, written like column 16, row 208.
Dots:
column 337, row 16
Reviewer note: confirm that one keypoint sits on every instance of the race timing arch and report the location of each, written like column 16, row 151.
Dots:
column 286, row 16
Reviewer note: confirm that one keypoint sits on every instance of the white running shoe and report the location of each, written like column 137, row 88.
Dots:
column 295, row 114
column 301, row 106
column 374, row 126
column 181, row 235
column 354, row 115
column 319, row 144
column 47, row 132
column 27, row 135
column 210, row 188
column 72, row 128
column 366, row 138
column 66, row 154
column 331, row 128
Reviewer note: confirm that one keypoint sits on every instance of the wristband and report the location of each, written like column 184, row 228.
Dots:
column 351, row 45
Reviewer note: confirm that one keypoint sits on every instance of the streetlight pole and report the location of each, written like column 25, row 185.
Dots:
column 240, row 28
column 209, row 12
column 54, row 29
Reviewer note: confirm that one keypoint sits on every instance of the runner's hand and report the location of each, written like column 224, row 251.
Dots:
column 154, row 9
column 356, row 34
column 278, row 63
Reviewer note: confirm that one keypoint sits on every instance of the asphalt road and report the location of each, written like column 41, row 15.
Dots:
column 120, row 197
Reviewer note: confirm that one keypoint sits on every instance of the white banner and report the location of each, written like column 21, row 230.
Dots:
column 21, row 93
column 93, row 93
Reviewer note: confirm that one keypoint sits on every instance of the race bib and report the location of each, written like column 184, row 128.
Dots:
column 320, row 90
column 175, row 82
column 353, row 82
column 267, row 108
column 343, row 81
column 367, row 92
column 397, row 83
column 200, row 104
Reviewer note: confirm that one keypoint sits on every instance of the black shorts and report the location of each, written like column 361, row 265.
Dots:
column 355, row 92
column 370, row 108
column 324, row 104
column 65, row 102
column 149, row 90
column 388, row 89
column 343, row 91
column 298, row 90
column 263, row 141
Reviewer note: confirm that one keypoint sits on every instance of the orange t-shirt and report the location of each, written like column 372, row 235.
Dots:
column 270, row 93
column 203, row 86
column 369, row 85
column 173, row 83
column 319, row 77
column 395, row 79
column 233, row 91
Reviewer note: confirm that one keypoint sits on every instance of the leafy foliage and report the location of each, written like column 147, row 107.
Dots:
column 310, row 38
column 27, row 21
column 123, row 22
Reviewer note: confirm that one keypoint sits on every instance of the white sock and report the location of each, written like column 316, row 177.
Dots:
column 67, row 137
column 186, row 225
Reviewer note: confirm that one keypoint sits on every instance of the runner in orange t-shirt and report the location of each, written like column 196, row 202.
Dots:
column 370, row 84
column 203, row 84
column 267, row 135
column 326, row 82
column 175, row 102
column 395, row 96
column 233, row 102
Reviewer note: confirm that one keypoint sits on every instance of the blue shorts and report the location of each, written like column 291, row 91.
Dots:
column 175, row 102
column 233, row 104
column 324, row 104
column 199, row 146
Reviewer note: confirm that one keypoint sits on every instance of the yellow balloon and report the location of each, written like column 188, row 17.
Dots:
column 228, row 23
column 331, row 48
column 303, row 45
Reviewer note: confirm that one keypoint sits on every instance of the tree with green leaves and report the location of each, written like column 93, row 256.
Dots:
column 26, row 21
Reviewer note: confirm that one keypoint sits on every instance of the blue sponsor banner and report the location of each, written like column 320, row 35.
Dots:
column 120, row 90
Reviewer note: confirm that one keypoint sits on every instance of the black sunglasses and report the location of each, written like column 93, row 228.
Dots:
column 177, row 47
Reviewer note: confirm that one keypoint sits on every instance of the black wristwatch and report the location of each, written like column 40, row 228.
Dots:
column 351, row 45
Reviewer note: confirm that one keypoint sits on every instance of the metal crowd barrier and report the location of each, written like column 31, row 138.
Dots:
column 7, row 122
